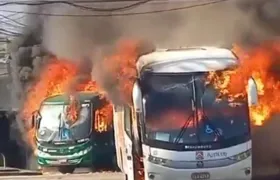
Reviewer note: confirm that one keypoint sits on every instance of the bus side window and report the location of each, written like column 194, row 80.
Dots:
column 127, row 121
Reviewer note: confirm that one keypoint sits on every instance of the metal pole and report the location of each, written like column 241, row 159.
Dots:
column 4, row 159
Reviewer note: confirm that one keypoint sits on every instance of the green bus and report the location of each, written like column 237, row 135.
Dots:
column 68, row 146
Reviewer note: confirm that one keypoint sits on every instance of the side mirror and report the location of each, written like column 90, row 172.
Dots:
column 144, row 107
column 137, row 98
column 35, row 118
column 252, row 92
column 33, row 121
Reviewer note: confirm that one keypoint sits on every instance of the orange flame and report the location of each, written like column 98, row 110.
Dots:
column 122, row 70
column 104, row 113
column 262, row 64
column 72, row 111
column 54, row 79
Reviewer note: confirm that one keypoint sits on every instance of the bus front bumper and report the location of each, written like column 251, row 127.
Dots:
column 239, row 171
column 81, row 161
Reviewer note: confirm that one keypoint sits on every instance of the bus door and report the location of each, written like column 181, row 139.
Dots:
column 128, row 143
column 119, row 135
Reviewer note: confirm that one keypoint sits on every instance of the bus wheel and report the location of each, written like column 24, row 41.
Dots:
column 66, row 169
column 93, row 169
column 114, row 163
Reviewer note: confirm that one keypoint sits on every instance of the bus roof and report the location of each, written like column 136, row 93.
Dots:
column 192, row 59
column 64, row 99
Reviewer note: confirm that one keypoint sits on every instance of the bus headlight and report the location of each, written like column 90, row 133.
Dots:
column 40, row 153
column 241, row 156
column 83, row 152
column 157, row 160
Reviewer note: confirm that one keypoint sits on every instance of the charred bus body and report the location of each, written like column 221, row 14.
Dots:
column 176, row 129
column 65, row 144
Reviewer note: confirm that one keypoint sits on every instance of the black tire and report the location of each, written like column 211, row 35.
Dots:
column 115, row 163
column 66, row 169
column 126, row 178
column 93, row 169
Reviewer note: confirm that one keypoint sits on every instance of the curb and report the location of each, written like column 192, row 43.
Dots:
column 18, row 172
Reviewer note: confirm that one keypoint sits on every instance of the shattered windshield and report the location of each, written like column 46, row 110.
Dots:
column 56, row 126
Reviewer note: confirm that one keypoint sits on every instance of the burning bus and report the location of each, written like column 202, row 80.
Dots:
column 68, row 118
column 180, row 126
column 69, row 133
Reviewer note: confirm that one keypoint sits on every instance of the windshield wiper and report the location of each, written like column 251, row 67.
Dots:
column 186, row 124
column 193, row 116
column 205, row 117
column 51, row 137
column 183, row 129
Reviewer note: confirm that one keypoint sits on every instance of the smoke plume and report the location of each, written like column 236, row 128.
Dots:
column 76, row 38
column 264, row 26
column 264, row 20
column 96, row 37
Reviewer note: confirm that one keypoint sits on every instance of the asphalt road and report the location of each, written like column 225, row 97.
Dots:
column 89, row 176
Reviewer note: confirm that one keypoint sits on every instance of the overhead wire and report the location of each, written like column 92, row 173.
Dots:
column 14, row 14
column 28, row 1
column 79, row 1
column 8, row 31
column 18, row 18
column 11, row 15
column 10, row 19
column 10, row 34
column 10, row 28
column 76, row 5
column 6, row 19
column 121, row 14
column 10, row 24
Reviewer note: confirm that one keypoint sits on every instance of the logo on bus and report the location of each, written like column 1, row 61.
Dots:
column 199, row 155
column 199, row 164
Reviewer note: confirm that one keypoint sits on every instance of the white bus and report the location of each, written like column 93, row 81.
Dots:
column 176, row 128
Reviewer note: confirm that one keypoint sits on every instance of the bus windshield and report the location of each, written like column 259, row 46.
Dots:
column 54, row 125
column 183, row 102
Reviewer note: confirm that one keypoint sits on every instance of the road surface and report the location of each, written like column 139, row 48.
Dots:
column 89, row 176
